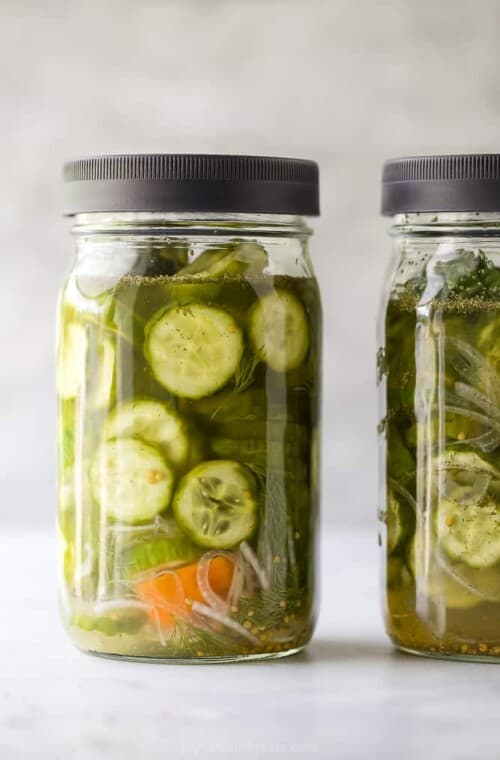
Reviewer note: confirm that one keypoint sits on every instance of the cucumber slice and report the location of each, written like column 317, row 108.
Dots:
column 193, row 350
column 393, row 572
column 112, row 624
column 447, row 584
column 464, row 477
column 130, row 480
column 444, row 588
column 483, row 582
column 410, row 557
column 470, row 533
column 277, row 326
column 396, row 529
column 179, row 292
column 153, row 423
column 240, row 259
column 400, row 516
column 68, row 563
column 72, row 357
column 216, row 504
column 66, row 505
column 158, row 551
column 205, row 263
column 101, row 376
column 98, row 272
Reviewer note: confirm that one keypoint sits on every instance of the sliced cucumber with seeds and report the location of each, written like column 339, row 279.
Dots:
column 277, row 326
column 153, row 423
column 193, row 350
column 470, row 533
column 464, row 476
column 131, row 480
column 72, row 359
column 216, row 504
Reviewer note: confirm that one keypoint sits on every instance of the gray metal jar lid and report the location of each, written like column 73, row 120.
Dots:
column 192, row 182
column 469, row 182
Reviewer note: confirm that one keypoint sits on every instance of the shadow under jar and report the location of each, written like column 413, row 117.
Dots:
column 439, row 376
column 188, row 395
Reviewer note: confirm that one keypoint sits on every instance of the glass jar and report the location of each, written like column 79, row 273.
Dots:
column 188, row 395
column 439, row 375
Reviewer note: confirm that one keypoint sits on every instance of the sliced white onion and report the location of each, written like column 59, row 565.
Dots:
column 406, row 495
column 237, row 583
column 444, row 565
column 474, row 416
column 215, row 601
column 486, row 442
column 478, row 399
column 482, row 372
column 291, row 550
column 254, row 563
column 84, row 569
column 159, row 628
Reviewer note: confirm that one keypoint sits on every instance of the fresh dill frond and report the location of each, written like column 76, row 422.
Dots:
column 244, row 375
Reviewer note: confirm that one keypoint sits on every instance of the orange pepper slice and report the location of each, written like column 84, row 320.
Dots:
column 179, row 588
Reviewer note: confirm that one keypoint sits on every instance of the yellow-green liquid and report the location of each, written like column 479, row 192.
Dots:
column 436, row 603
column 266, row 420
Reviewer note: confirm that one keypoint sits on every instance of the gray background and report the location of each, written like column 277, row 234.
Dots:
column 346, row 82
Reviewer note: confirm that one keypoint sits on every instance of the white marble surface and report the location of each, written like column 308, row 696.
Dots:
column 348, row 696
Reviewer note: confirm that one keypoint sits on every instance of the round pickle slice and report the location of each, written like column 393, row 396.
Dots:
column 470, row 533
column 130, row 480
column 243, row 258
column 153, row 423
column 193, row 350
column 277, row 326
column 216, row 504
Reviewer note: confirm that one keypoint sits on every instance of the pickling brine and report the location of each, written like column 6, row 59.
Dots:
column 443, row 497
column 188, row 441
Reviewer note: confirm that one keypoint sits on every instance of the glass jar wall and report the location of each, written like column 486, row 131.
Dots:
column 439, row 375
column 188, row 393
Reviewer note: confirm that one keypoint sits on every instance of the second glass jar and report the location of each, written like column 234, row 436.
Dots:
column 439, row 376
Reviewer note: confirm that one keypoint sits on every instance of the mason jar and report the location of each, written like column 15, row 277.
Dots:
column 439, row 376
column 188, row 382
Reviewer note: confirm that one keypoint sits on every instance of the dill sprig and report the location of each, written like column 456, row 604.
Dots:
column 271, row 608
column 193, row 641
column 245, row 374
